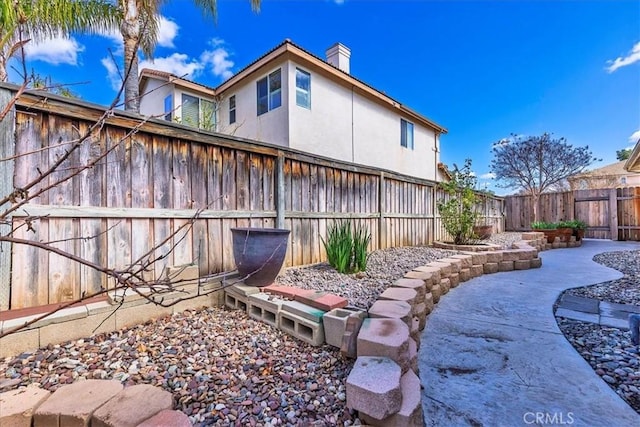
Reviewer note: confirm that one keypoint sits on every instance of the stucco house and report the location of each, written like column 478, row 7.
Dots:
column 633, row 162
column 293, row 98
column 610, row 176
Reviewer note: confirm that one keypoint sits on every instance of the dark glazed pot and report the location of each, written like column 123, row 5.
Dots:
column 259, row 253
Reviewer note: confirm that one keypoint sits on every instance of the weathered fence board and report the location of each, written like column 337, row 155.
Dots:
column 154, row 180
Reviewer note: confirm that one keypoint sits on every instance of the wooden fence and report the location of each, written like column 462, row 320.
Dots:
column 153, row 182
column 610, row 213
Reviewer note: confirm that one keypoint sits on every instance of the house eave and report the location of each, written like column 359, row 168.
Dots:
column 633, row 162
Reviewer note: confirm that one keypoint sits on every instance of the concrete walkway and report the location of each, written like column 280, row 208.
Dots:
column 493, row 355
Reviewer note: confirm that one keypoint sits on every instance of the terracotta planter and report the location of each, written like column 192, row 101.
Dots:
column 550, row 234
column 565, row 233
column 259, row 253
column 483, row 231
column 579, row 233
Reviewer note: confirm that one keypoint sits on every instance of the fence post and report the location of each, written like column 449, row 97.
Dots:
column 7, row 149
column 280, row 201
column 382, row 238
column 613, row 213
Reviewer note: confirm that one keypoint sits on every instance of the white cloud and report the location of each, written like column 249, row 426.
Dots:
column 167, row 31
column 488, row 175
column 112, row 72
column 177, row 63
column 635, row 136
column 619, row 62
column 218, row 61
column 55, row 51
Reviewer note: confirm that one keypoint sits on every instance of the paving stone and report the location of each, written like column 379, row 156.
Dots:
column 385, row 338
column 454, row 279
column 505, row 266
column 244, row 290
column 535, row 262
column 303, row 310
column 465, row 274
column 349, row 346
column 410, row 413
column 18, row 406
column 445, row 285
column 436, row 293
column 445, row 268
column 614, row 322
column 521, row 264
column 168, row 418
column 400, row 310
column 495, row 256
column 286, row 291
column 476, row 270
column 490, row 268
column 399, row 294
column 428, row 278
column 373, row 387
column 466, row 261
column 415, row 284
column 456, row 264
column 73, row 405
column 132, row 406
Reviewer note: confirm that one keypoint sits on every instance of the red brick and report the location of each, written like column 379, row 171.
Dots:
column 286, row 291
column 322, row 300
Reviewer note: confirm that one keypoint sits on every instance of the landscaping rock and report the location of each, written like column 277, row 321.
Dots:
column 18, row 406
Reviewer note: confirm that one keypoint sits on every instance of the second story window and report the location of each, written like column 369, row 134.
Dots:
column 168, row 108
column 303, row 88
column 406, row 134
column 269, row 92
column 197, row 112
column 232, row 109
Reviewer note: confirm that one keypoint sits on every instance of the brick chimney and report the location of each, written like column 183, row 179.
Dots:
column 338, row 55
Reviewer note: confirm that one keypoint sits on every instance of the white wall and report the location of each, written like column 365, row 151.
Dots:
column 271, row 126
column 152, row 103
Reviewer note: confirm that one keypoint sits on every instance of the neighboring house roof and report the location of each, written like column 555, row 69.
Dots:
column 288, row 50
column 614, row 169
column 633, row 162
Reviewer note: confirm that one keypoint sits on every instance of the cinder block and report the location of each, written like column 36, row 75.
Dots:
column 495, row 256
column 17, row 406
column 335, row 324
column 243, row 290
column 132, row 406
column 465, row 274
column 535, row 262
column 310, row 313
column 476, row 270
column 130, row 316
column 373, row 387
column 235, row 301
column 490, row 268
column 400, row 310
column 301, row 328
column 505, row 266
column 181, row 275
column 385, row 338
column 265, row 308
column 349, row 345
column 522, row 264
column 73, row 404
column 466, row 261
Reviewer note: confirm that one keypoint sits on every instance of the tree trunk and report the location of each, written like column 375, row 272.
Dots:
column 535, row 198
column 130, row 30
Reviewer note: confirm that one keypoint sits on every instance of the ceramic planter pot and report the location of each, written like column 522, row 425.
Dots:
column 565, row 233
column 259, row 253
column 483, row 231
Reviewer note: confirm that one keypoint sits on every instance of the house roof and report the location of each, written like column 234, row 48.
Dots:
column 614, row 169
column 289, row 50
column 633, row 162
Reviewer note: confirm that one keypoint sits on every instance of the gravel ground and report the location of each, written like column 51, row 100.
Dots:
column 222, row 367
column 609, row 351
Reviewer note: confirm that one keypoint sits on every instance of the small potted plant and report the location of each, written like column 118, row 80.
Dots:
column 550, row 229
column 565, row 230
column 578, row 227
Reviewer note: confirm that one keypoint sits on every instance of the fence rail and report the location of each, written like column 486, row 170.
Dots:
column 158, row 177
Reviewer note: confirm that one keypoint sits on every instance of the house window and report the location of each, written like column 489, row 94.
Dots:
column 623, row 180
column 197, row 112
column 303, row 88
column 232, row 109
column 269, row 92
column 168, row 108
column 406, row 134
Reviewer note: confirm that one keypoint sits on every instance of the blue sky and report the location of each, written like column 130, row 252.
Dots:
column 481, row 69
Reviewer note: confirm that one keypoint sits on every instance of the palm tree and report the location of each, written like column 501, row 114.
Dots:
column 139, row 29
column 22, row 21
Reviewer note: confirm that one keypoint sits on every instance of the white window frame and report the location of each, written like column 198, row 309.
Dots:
column 304, row 92
column 232, row 109
column 168, row 107
column 407, row 134
column 272, row 96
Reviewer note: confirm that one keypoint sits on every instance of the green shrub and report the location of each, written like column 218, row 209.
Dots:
column 542, row 225
column 459, row 213
column 346, row 246
column 576, row 224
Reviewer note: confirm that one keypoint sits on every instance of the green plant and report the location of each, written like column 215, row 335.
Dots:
column 565, row 224
column 459, row 212
column 577, row 224
column 542, row 225
column 346, row 246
